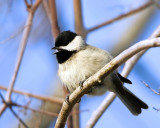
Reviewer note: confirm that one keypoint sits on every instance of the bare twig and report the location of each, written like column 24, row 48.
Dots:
column 27, row 4
column 50, row 9
column 101, row 74
column 14, row 113
column 157, row 109
column 35, row 6
column 100, row 110
column 158, row 93
column 149, row 3
column 27, row 107
column 79, row 26
column 35, row 110
column 125, row 72
column 133, row 60
column 53, row 14
column 40, row 97
column 12, row 36
column 20, row 55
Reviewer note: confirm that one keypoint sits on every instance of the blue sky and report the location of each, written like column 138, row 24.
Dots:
column 38, row 72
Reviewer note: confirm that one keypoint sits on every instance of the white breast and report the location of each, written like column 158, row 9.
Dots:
column 81, row 66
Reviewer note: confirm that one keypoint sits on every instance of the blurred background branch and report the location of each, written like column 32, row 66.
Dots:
column 131, row 12
column 21, row 52
column 111, row 96
column 40, row 97
column 50, row 16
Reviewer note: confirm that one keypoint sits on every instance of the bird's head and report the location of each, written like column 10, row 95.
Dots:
column 69, row 41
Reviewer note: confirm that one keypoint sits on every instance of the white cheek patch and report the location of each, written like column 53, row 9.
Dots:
column 76, row 44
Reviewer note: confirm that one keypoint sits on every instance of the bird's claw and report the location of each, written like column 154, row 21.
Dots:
column 67, row 99
column 81, row 84
column 79, row 101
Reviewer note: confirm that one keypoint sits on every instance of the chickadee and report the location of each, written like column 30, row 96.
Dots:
column 78, row 61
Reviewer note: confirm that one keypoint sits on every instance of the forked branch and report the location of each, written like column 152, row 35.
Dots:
column 20, row 54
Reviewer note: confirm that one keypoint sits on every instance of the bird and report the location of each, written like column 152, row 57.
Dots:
column 77, row 61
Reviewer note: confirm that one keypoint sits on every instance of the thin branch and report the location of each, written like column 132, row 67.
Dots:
column 100, row 110
column 125, row 72
column 100, row 75
column 3, row 100
column 27, row 107
column 35, row 6
column 35, row 110
column 133, row 60
column 27, row 4
column 157, row 109
column 40, row 97
column 158, row 93
column 78, row 19
column 16, row 115
column 13, row 35
column 42, row 111
column 50, row 9
column 20, row 54
column 148, row 4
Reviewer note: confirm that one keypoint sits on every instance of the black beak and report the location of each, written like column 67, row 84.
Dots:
column 57, row 49
column 54, row 48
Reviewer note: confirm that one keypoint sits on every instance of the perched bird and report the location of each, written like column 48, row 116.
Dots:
column 78, row 61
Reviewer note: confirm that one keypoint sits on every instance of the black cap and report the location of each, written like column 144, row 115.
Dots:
column 64, row 38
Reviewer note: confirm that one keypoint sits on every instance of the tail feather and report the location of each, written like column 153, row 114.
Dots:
column 132, row 102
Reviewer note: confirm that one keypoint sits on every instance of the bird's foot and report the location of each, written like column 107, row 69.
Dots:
column 67, row 99
column 81, row 83
column 79, row 101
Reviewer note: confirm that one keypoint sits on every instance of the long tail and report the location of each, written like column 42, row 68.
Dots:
column 133, row 103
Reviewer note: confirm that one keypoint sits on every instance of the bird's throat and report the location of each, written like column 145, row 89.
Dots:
column 64, row 55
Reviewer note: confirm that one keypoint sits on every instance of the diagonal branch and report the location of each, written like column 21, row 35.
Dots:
column 158, row 93
column 101, row 74
column 100, row 110
column 131, row 62
column 20, row 54
column 148, row 4
column 125, row 72
column 50, row 9
column 14, row 113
